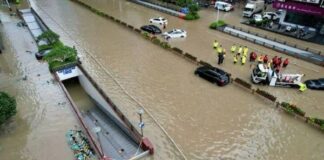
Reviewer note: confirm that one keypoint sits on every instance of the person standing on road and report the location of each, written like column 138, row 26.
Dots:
column 220, row 58
column 279, row 61
column 240, row 50
column 285, row 63
column 219, row 49
column 243, row 60
column 253, row 56
column 235, row 57
column 245, row 51
column 215, row 44
column 164, row 25
column 233, row 48
column 265, row 59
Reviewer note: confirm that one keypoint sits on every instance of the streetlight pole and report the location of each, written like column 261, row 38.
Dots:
column 217, row 14
column 141, row 124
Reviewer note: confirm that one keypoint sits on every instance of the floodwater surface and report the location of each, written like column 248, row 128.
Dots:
column 206, row 121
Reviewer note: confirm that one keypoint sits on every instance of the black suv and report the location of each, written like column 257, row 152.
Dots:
column 213, row 74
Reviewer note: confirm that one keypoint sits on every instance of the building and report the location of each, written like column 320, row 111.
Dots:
column 302, row 13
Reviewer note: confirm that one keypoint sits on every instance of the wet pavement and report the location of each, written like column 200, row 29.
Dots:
column 206, row 121
column 35, row 130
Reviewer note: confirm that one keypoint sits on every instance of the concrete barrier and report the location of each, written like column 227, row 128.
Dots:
column 266, row 95
column 243, row 83
column 191, row 57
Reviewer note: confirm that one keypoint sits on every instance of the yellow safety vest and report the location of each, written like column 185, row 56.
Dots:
column 233, row 48
column 240, row 50
column 243, row 60
column 302, row 87
column 215, row 44
column 235, row 59
column 219, row 50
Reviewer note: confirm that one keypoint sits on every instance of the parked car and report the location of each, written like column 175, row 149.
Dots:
column 175, row 33
column 223, row 6
column 257, row 18
column 159, row 21
column 151, row 29
column 317, row 84
column 40, row 54
column 213, row 74
column 271, row 15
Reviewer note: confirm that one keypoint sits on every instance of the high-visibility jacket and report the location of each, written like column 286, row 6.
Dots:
column 215, row 44
column 245, row 51
column 243, row 60
column 240, row 50
column 302, row 87
column 235, row 59
column 219, row 50
column 233, row 48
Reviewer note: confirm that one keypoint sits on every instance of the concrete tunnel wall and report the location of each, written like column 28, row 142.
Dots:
column 101, row 103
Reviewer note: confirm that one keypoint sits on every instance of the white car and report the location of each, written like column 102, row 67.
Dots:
column 159, row 21
column 257, row 17
column 223, row 6
column 175, row 33
column 271, row 15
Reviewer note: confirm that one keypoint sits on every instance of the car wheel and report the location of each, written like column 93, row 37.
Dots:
column 182, row 36
column 151, row 22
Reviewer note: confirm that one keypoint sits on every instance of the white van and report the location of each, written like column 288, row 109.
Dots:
column 223, row 6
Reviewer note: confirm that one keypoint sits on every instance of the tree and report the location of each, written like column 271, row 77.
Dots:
column 7, row 107
column 61, row 54
column 49, row 36
column 183, row 3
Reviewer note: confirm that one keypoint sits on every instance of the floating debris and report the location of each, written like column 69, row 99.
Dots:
column 79, row 144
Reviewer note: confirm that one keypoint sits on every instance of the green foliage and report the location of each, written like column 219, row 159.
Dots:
column 61, row 55
column 217, row 24
column 193, row 8
column 146, row 35
column 7, row 107
column 49, row 36
column 192, row 16
column 156, row 41
column 49, row 46
column 165, row 45
column 183, row 3
column 292, row 108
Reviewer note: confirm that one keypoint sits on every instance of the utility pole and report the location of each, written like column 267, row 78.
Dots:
column 141, row 124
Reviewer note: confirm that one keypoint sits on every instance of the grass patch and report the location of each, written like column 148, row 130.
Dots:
column 217, row 24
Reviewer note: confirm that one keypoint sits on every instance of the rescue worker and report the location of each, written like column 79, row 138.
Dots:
column 253, row 56
column 260, row 58
column 245, row 51
column 235, row 58
column 233, row 48
column 277, row 69
column 285, row 63
column 243, row 60
column 240, row 50
column 215, row 44
column 279, row 61
column 220, row 58
column 265, row 59
column 219, row 49
column 275, row 61
column 302, row 87
column 269, row 64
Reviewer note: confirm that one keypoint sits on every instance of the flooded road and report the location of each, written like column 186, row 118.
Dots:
column 206, row 121
column 37, row 130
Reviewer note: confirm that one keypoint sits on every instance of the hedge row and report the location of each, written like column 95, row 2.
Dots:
column 290, row 108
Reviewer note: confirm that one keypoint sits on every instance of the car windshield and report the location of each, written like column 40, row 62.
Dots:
column 248, row 9
column 170, row 32
column 163, row 19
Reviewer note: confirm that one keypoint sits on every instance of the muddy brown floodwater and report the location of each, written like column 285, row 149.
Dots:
column 43, row 116
column 206, row 121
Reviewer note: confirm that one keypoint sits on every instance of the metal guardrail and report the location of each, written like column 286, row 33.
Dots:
column 315, row 51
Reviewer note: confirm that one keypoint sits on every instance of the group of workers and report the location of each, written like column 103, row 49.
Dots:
column 240, row 53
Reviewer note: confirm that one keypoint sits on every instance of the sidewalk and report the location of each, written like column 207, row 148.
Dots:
column 48, row 115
